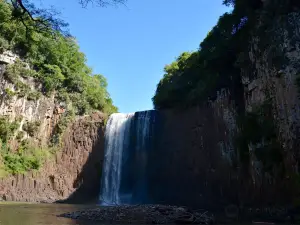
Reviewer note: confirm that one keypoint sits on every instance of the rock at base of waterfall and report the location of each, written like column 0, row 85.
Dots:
column 142, row 214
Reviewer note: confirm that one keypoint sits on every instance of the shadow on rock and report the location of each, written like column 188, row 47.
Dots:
column 87, row 181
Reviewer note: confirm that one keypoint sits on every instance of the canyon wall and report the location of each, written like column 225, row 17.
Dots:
column 193, row 160
column 72, row 171
column 72, row 175
column 219, row 153
column 199, row 159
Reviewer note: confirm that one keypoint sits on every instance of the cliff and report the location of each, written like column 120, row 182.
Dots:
column 241, row 148
column 73, row 173
column 68, row 157
column 47, row 92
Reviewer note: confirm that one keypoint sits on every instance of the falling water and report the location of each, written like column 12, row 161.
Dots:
column 142, row 133
column 116, row 141
column 127, row 143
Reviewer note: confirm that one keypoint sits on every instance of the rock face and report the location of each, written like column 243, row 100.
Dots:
column 74, row 174
column 44, row 109
column 193, row 159
column 197, row 160
column 8, row 57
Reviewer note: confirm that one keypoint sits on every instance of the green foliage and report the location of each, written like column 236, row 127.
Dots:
column 195, row 77
column 7, row 128
column 31, row 127
column 12, row 73
column 20, row 135
column 56, row 62
column 258, row 130
column 9, row 93
column 19, row 164
column 61, row 126
column 26, row 158
column 3, row 44
column 33, row 95
column 19, row 68
column 52, row 78
column 80, row 103
column 22, row 89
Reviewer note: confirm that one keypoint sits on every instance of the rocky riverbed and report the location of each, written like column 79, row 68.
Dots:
column 142, row 214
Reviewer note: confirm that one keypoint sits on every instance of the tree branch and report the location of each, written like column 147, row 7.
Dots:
column 45, row 20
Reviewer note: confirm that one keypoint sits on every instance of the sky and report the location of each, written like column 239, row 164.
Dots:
column 130, row 45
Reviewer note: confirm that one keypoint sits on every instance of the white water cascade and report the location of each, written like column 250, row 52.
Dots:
column 127, row 143
column 116, row 141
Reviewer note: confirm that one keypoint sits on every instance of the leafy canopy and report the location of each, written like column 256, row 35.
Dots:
column 56, row 62
column 47, row 20
column 195, row 77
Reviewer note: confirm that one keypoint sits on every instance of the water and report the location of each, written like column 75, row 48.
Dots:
column 141, row 148
column 116, row 141
column 39, row 214
column 127, row 144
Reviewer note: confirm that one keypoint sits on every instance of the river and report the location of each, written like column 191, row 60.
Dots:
column 38, row 214
column 46, row 214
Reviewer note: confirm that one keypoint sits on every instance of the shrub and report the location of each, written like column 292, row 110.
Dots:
column 31, row 127
column 56, row 63
column 33, row 95
column 7, row 129
column 63, row 96
column 61, row 126
column 25, row 159
column 18, row 164
column 20, row 135
column 4, row 45
column 11, row 73
column 9, row 93
column 80, row 104
column 258, row 129
column 23, row 89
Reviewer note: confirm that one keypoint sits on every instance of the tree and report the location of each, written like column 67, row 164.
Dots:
column 55, row 63
column 194, row 78
column 46, row 20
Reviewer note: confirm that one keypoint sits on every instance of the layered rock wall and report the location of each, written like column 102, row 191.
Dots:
column 197, row 160
column 73, row 172
column 193, row 160
column 73, row 175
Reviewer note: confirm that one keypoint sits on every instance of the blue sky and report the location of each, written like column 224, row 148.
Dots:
column 130, row 45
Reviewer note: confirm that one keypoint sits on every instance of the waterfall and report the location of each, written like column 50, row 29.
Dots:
column 141, row 148
column 116, row 141
column 127, row 143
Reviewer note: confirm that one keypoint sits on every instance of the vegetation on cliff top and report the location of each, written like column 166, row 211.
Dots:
column 196, row 77
column 55, row 61
column 46, row 20
column 51, row 59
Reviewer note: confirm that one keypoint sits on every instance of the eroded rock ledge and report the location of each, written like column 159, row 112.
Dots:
column 142, row 214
